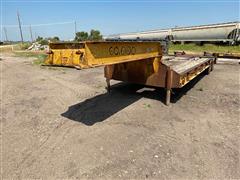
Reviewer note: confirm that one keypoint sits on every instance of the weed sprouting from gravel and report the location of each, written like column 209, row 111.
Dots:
column 147, row 105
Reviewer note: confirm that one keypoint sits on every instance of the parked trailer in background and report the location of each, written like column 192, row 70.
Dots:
column 223, row 32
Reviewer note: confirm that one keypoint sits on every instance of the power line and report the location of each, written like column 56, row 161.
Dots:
column 36, row 25
column 127, row 1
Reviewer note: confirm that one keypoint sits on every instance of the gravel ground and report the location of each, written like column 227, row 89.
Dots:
column 61, row 123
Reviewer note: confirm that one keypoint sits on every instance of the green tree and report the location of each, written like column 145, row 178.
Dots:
column 41, row 40
column 54, row 39
column 81, row 36
column 95, row 35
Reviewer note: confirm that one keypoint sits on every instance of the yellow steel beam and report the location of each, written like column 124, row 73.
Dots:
column 92, row 54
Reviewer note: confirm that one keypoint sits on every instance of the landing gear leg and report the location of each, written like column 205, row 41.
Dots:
column 168, row 96
column 169, row 85
column 108, row 85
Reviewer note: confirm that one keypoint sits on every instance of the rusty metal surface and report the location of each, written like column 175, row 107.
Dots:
column 182, row 65
column 153, row 72
column 208, row 54
column 147, row 72
column 227, row 55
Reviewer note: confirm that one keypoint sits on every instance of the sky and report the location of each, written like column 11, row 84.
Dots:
column 109, row 16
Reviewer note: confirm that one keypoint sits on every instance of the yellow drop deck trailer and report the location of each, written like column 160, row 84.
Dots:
column 135, row 62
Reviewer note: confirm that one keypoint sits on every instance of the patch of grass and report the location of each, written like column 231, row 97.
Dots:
column 40, row 57
column 14, row 47
column 206, row 47
column 26, row 54
column 39, row 61
column 24, row 46
column 147, row 105
column 6, row 48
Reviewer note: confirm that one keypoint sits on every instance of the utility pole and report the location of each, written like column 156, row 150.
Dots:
column 30, row 28
column 5, row 31
column 35, row 36
column 20, row 27
column 75, row 24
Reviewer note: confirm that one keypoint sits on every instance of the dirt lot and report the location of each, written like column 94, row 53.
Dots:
column 61, row 123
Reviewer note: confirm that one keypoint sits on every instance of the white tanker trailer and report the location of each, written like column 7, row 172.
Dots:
column 224, row 32
column 217, row 32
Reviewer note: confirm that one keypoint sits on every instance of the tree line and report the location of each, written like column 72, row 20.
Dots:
column 93, row 35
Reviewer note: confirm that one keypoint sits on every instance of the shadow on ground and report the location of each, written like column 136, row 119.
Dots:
column 103, row 106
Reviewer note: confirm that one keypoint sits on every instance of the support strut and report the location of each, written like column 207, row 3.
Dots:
column 168, row 86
